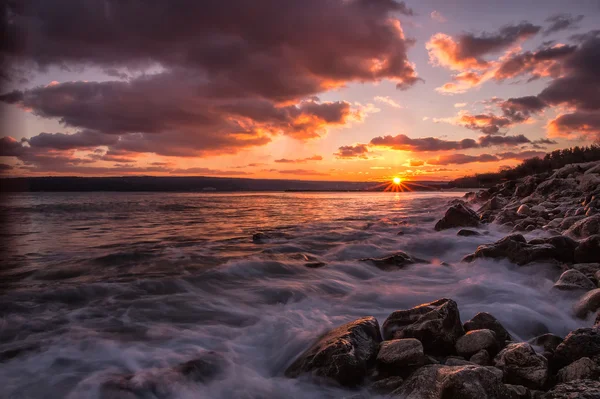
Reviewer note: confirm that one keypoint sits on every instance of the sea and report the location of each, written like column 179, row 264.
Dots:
column 94, row 285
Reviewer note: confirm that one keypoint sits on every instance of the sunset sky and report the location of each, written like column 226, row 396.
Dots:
column 295, row 89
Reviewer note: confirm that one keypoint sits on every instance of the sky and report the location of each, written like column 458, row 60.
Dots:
column 355, row 90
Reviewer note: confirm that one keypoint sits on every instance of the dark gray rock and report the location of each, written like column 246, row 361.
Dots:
column 475, row 341
column 344, row 354
column 580, row 389
column 585, row 227
column 386, row 385
column 582, row 369
column 573, row 280
column 467, row 233
column 481, row 358
column 588, row 250
column 459, row 382
column 522, row 366
column 484, row 320
column 394, row 262
column 547, row 343
column 437, row 325
column 458, row 215
column 588, row 303
column 518, row 391
column 589, row 269
column 398, row 353
column 457, row 361
column 583, row 342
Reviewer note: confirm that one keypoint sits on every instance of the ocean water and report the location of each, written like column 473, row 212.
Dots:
column 98, row 284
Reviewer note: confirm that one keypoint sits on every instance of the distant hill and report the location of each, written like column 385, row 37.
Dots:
column 191, row 184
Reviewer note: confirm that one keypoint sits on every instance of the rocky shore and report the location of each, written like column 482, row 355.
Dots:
column 427, row 352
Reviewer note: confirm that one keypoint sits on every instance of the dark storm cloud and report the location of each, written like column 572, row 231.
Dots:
column 353, row 151
column 488, row 141
column 562, row 22
column 61, row 141
column 231, row 74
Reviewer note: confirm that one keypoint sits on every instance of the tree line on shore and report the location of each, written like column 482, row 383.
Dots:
column 551, row 161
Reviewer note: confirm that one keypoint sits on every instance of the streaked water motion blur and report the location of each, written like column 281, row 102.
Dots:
column 99, row 283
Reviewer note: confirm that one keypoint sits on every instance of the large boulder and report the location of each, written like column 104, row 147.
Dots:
column 437, row 325
column 547, row 344
column 522, row 366
column 582, row 369
column 579, row 389
column 589, row 182
column 588, row 250
column 493, row 204
column 453, row 382
column 555, row 185
column 515, row 248
column 458, row 215
column 475, row 341
column 583, row 342
column 344, row 354
column 160, row 381
column 397, row 354
column 394, row 262
column 585, row 227
column 573, row 280
column 588, row 303
column 588, row 269
column 484, row 320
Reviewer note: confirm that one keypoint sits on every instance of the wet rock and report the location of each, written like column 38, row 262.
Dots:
column 437, row 325
column 493, row 204
column 515, row 248
column 573, row 280
column 523, row 210
column 548, row 343
column 458, row 216
column 518, row 391
column 588, row 269
column 588, row 250
column 579, row 389
column 460, row 382
column 522, row 366
column 399, row 353
column 394, row 262
column 260, row 237
column 481, row 358
column 588, row 303
column 386, row 385
column 467, row 233
column 583, row 342
column 569, row 221
column 159, row 382
column 554, row 185
column 344, row 354
column 457, row 361
column 475, row 341
column 526, row 187
column 585, row 227
column 582, row 369
column 484, row 320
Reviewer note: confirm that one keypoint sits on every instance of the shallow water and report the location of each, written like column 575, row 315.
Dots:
column 94, row 284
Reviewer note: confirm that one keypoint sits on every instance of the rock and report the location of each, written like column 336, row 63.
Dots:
column 594, row 169
column 460, row 382
column 394, row 262
column 493, row 204
column 589, row 182
column 589, row 302
column 585, row 227
column 386, row 385
column 526, row 187
column 573, row 280
column 517, row 250
column 583, row 342
column 588, row 269
column 159, row 382
column 344, row 354
column 260, row 236
column 538, row 209
column 457, row 361
column 588, row 250
column 399, row 353
column 518, row 391
column 580, row 389
column 481, row 358
column 547, row 342
column 467, row 233
column 458, row 216
column 523, row 210
column 475, row 341
column 567, row 222
column 485, row 320
column 437, row 325
column 522, row 366
column 582, row 369
column 555, row 185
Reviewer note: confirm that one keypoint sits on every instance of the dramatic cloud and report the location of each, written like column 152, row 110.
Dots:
column 353, row 151
column 217, row 77
column 488, row 141
column 580, row 123
column 301, row 160
column 541, row 63
column 468, row 50
column 431, row 144
column 5, row 168
column 459, row 159
column 562, row 22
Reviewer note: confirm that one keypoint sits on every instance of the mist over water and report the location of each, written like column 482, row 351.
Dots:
column 97, row 284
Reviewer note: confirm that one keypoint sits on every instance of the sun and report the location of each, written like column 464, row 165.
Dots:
column 397, row 180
